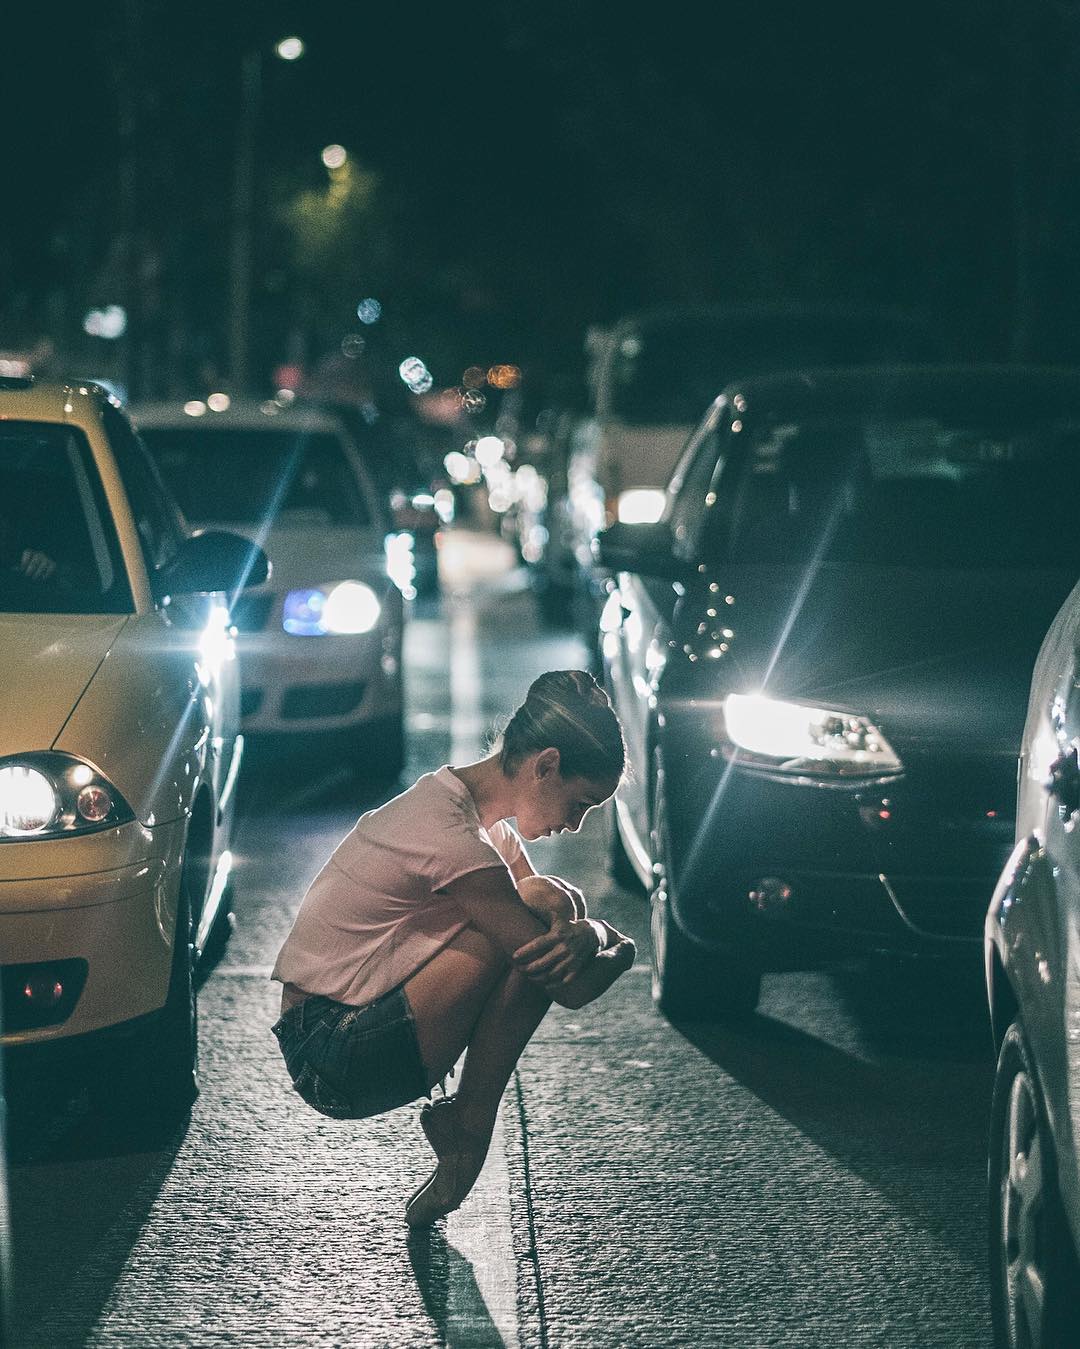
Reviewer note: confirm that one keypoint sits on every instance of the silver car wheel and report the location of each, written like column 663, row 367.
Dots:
column 1022, row 1206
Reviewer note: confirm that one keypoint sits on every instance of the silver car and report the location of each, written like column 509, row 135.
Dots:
column 1032, row 948
column 319, row 643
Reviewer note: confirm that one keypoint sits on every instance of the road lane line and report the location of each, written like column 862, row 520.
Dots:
column 466, row 724
column 480, row 1231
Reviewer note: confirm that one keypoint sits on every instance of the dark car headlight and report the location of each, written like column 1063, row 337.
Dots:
column 52, row 795
column 792, row 738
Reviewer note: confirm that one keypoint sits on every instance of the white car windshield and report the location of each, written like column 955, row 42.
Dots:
column 248, row 476
column 58, row 547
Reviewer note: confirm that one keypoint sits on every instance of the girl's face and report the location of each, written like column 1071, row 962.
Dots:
column 548, row 803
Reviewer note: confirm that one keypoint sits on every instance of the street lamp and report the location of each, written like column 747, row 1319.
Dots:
column 243, row 212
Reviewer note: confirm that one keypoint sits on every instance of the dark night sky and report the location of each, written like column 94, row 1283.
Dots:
column 540, row 167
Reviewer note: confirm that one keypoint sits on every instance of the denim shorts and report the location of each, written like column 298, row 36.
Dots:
column 352, row 1062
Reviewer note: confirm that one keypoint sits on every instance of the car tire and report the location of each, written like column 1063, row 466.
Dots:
column 222, row 928
column 172, row 1049
column 691, row 982
column 1034, row 1275
column 620, row 867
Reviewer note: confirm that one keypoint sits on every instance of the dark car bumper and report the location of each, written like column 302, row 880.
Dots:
column 800, row 872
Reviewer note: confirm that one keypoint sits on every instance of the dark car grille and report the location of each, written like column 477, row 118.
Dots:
column 321, row 700
column 251, row 701
column 250, row 613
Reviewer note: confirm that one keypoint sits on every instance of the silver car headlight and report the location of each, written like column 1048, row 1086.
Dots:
column 793, row 738
column 335, row 609
column 51, row 795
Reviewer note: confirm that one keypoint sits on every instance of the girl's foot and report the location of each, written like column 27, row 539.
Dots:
column 461, row 1154
column 439, row 1121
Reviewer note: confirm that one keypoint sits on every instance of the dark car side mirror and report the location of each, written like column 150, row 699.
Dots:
column 214, row 560
column 645, row 548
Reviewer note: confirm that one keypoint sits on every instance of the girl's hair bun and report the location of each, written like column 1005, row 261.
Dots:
column 567, row 710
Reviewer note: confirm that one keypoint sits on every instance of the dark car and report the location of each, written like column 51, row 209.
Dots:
column 821, row 656
column 653, row 372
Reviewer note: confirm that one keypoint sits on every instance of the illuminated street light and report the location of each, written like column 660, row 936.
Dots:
column 243, row 231
column 335, row 156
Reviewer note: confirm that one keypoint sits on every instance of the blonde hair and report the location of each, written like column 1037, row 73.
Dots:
column 569, row 711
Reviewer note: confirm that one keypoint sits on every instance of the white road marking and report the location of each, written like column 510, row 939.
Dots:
column 466, row 726
column 480, row 1230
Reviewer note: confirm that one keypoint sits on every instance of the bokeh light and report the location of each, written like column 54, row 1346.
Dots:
column 504, row 376
column 415, row 374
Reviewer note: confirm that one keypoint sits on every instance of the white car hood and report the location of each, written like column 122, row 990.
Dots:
column 308, row 555
column 46, row 663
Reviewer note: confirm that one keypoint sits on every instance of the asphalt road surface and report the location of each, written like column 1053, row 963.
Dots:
column 814, row 1176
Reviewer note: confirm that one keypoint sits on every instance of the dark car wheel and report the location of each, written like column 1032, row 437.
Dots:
column 222, row 928
column 172, row 1047
column 619, row 864
column 690, row 982
column 1034, row 1278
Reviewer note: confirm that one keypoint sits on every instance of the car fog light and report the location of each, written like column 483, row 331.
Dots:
column 769, row 894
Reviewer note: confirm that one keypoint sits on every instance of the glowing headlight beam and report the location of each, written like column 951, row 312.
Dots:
column 281, row 487
column 809, row 576
column 703, row 834
column 796, row 738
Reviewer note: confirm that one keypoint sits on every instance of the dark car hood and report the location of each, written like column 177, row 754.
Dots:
column 934, row 656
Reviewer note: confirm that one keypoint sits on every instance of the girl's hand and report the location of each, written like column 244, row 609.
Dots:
column 559, row 955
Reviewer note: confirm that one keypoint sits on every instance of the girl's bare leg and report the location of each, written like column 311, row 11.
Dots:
column 469, row 996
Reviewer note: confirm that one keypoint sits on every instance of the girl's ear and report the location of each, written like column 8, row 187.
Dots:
column 547, row 762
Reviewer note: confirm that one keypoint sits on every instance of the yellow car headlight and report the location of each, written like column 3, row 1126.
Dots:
column 50, row 795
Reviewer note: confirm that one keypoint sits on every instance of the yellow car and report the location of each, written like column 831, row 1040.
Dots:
column 119, row 743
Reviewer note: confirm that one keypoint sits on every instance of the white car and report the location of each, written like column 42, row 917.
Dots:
column 119, row 740
column 1032, row 948
column 320, row 644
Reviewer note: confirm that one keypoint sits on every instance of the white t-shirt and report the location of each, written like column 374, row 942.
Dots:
column 374, row 914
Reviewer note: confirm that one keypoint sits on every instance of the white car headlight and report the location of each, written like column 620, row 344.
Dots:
column 811, row 741
column 344, row 608
column 49, row 795
column 640, row 505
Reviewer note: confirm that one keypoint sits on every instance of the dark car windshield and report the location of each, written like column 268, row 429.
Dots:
column 59, row 553
column 667, row 373
column 920, row 491
column 249, row 476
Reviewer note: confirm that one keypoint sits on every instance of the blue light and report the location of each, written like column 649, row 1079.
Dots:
column 303, row 613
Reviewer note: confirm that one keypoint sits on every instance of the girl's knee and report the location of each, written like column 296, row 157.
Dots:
column 547, row 899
